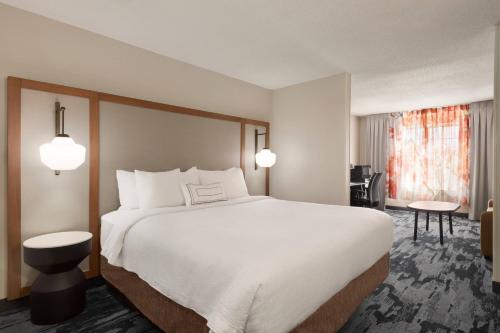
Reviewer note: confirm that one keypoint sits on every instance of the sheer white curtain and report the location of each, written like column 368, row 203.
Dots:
column 481, row 157
column 376, row 136
column 429, row 155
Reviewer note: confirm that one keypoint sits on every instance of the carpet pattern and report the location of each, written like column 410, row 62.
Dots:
column 431, row 288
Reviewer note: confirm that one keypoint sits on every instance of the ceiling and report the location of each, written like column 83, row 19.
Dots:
column 403, row 54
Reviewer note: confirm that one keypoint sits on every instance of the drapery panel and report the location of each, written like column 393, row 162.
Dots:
column 376, row 136
column 481, row 157
column 428, row 154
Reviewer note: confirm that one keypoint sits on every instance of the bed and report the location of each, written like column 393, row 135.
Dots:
column 253, row 264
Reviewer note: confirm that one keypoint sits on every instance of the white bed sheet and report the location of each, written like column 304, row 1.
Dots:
column 106, row 226
column 122, row 215
column 249, row 265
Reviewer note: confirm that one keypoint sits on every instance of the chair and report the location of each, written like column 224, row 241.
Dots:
column 370, row 196
column 487, row 232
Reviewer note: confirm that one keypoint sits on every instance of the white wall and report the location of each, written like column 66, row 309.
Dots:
column 310, row 135
column 496, row 189
column 354, row 140
column 38, row 48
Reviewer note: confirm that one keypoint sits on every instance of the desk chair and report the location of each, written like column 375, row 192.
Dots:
column 370, row 197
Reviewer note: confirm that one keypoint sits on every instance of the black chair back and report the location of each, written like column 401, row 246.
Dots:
column 373, row 190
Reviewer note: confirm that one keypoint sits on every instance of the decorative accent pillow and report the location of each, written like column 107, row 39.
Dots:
column 196, row 194
column 159, row 189
column 232, row 180
column 127, row 190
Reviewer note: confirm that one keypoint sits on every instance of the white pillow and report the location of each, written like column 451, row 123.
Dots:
column 232, row 180
column 196, row 194
column 127, row 191
column 190, row 176
column 159, row 189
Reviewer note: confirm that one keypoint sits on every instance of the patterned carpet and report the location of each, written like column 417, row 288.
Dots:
column 431, row 288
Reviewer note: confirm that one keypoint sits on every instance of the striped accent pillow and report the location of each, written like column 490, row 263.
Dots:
column 196, row 194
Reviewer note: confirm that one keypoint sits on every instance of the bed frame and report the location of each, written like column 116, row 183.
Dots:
column 172, row 317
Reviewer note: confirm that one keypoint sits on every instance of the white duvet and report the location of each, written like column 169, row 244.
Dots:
column 249, row 265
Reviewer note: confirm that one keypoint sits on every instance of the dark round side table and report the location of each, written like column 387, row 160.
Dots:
column 58, row 293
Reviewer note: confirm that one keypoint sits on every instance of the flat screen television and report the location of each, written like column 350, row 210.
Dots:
column 360, row 172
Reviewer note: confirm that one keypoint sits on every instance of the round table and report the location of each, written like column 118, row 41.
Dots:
column 439, row 207
column 58, row 292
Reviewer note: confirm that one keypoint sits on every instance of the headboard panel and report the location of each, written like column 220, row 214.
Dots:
column 145, row 139
column 123, row 133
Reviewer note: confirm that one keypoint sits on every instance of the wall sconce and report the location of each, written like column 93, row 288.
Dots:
column 62, row 153
column 265, row 158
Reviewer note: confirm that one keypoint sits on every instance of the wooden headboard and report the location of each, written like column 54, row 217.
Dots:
column 195, row 137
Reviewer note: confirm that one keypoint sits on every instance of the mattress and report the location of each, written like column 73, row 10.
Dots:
column 255, row 264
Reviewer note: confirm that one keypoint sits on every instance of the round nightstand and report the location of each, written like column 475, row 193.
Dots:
column 58, row 293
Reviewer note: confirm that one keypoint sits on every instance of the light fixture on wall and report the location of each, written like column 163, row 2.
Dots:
column 265, row 158
column 62, row 153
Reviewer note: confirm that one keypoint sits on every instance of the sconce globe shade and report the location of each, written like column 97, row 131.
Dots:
column 265, row 158
column 62, row 153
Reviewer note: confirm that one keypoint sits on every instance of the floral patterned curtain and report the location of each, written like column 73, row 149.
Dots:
column 428, row 155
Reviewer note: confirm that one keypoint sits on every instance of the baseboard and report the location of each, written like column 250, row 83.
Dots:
column 496, row 287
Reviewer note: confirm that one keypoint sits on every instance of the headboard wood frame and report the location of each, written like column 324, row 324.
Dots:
column 14, row 86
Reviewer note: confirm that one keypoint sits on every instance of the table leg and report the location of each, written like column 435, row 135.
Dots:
column 416, row 225
column 441, row 228
column 427, row 222
column 451, row 225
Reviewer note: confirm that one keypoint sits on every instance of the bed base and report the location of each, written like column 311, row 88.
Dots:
column 172, row 317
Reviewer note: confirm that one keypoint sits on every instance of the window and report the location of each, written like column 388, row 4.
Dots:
column 429, row 155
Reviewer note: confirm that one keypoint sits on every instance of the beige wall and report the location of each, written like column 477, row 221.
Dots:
column 38, row 48
column 496, row 189
column 354, row 140
column 310, row 135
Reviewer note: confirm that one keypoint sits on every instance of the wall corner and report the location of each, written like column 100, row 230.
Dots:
column 496, row 168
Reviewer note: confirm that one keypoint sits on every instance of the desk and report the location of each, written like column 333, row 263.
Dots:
column 355, row 188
